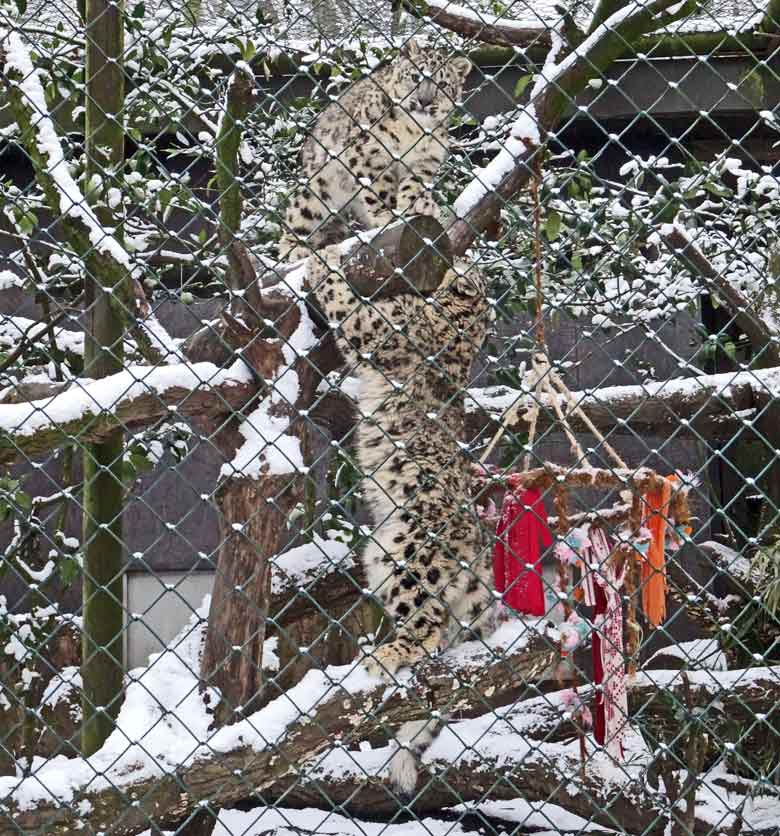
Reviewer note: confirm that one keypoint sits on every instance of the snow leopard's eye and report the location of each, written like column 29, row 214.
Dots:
column 416, row 77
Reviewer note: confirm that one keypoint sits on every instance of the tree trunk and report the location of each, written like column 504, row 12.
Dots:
column 102, row 668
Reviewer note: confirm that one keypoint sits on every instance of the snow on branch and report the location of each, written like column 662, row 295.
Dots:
column 552, row 96
column 479, row 24
column 529, row 751
column 764, row 336
column 103, row 255
column 707, row 404
column 503, row 741
column 28, row 103
column 89, row 409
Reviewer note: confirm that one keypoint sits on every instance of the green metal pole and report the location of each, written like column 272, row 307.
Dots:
column 103, row 658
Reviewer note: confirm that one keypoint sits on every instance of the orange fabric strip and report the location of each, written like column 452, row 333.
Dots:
column 654, row 564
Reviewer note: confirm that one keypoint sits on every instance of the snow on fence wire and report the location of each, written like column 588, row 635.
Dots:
column 388, row 417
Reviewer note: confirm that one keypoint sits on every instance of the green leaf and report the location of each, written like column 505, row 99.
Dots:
column 69, row 571
column 552, row 225
column 22, row 6
column 165, row 197
column 139, row 10
column 140, row 462
column 522, row 83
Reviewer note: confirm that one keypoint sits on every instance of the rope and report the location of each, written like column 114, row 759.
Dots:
column 544, row 380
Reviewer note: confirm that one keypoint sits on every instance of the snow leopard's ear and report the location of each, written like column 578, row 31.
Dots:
column 463, row 284
column 462, row 66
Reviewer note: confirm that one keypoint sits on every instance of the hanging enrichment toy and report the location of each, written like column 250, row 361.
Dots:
column 521, row 536
column 608, row 573
column 609, row 666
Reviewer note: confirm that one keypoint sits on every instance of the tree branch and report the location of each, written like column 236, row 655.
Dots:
column 481, row 201
column 771, row 20
column 765, row 343
column 545, row 768
column 96, row 245
column 239, row 98
column 709, row 405
column 479, row 25
column 84, row 412
column 603, row 11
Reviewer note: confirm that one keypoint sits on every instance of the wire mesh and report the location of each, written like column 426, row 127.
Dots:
column 388, row 417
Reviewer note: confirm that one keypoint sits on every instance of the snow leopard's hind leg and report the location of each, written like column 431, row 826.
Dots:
column 474, row 610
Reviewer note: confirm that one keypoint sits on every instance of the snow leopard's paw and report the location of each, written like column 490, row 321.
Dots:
column 426, row 205
column 384, row 661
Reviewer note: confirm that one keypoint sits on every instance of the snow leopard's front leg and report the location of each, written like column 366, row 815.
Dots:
column 413, row 641
column 415, row 190
column 362, row 325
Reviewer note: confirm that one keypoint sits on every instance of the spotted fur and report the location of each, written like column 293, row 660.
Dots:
column 375, row 150
column 425, row 561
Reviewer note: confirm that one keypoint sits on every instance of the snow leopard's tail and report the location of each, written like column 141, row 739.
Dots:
column 412, row 740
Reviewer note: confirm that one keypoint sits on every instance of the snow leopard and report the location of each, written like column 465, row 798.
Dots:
column 426, row 560
column 375, row 150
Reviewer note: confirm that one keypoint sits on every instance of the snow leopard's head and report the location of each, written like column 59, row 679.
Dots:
column 429, row 82
column 463, row 281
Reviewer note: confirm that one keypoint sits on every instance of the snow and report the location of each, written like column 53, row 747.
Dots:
column 270, row 663
column 732, row 561
column 161, row 340
column 300, row 565
column 486, row 19
column 267, row 448
column 9, row 280
column 72, row 202
column 524, row 133
column 699, row 653
column 510, row 637
column 349, row 386
column 498, row 399
column 91, row 397
column 712, row 681
column 61, row 686
column 544, row 815
column 13, row 327
column 283, row 821
column 163, row 724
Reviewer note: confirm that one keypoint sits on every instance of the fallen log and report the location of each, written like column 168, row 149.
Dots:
column 243, row 760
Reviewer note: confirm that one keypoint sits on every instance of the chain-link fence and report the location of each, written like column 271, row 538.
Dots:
column 387, row 417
